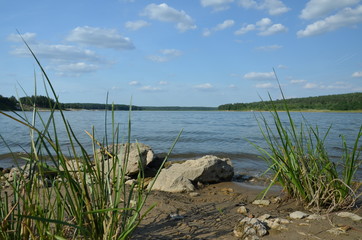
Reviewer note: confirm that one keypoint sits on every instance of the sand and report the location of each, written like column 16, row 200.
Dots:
column 212, row 214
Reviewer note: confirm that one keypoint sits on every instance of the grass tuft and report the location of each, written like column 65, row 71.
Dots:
column 297, row 156
column 71, row 194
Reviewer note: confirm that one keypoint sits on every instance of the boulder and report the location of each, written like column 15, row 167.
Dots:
column 136, row 153
column 179, row 177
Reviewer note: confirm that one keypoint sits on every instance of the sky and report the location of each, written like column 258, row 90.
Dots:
column 181, row 53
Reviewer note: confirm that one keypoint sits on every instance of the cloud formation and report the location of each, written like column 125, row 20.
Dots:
column 135, row 25
column 274, row 7
column 222, row 26
column 166, row 55
column 269, row 47
column 343, row 18
column 217, row 5
column 259, row 75
column 357, row 74
column 164, row 13
column 320, row 8
column 100, row 37
column 264, row 26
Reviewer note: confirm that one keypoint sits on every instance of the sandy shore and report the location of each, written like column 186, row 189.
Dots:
column 212, row 214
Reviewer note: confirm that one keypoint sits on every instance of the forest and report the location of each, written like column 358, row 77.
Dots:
column 337, row 102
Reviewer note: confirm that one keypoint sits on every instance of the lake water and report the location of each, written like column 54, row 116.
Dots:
column 225, row 134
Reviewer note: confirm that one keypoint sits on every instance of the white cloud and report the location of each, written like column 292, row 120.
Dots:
column 265, row 85
column 274, row 7
column 133, row 83
column 259, row 75
column 264, row 27
column 357, row 74
column 100, row 37
column 164, row 13
column 243, row 30
column 150, row 89
column 163, row 82
column 226, row 24
column 28, row 37
column 345, row 17
column 135, row 25
column 281, row 66
column 217, row 5
column 167, row 55
column 74, row 69
column 296, row 81
column 204, row 86
column 320, row 8
column 310, row 85
column 58, row 52
column 171, row 52
column 269, row 47
column 155, row 58
column 222, row 26
column 274, row 29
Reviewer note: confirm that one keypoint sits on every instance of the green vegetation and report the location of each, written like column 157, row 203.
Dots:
column 340, row 102
column 43, row 102
column 8, row 103
column 301, row 164
column 77, row 196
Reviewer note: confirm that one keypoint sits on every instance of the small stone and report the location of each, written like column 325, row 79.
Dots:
column 250, row 228
column 349, row 215
column 315, row 217
column 298, row 215
column 276, row 200
column 264, row 217
column 130, row 182
column 304, row 224
column 284, row 221
column 337, row 231
column 194, row 194
column 242, row 210
column 261, row 202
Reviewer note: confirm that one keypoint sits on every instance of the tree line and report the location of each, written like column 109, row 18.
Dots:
column 337, row 102
column 28, row 102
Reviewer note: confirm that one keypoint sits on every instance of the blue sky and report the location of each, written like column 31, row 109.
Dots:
column 184, row 53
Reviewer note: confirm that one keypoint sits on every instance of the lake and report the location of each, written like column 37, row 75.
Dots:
column 225, row 134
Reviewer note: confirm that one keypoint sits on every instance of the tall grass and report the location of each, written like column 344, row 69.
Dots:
column 71, row 193
column 297, row 156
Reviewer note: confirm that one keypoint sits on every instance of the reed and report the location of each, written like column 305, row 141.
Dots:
column 297, row 156
column 71, row 193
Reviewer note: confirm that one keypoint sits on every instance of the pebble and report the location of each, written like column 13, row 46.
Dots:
column 298, row 215
column 242, row 210
column 194, row 194
column 315, row 217
column 261, row 202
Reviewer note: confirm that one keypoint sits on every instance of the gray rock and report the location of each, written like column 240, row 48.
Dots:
column 250, row 228
column 349, row 215
column 261, row 202
column 136, row 153
column 179, row 177
column 298, row 215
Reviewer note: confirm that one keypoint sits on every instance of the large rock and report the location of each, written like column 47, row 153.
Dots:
column 181, row 177
column 135, row 152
